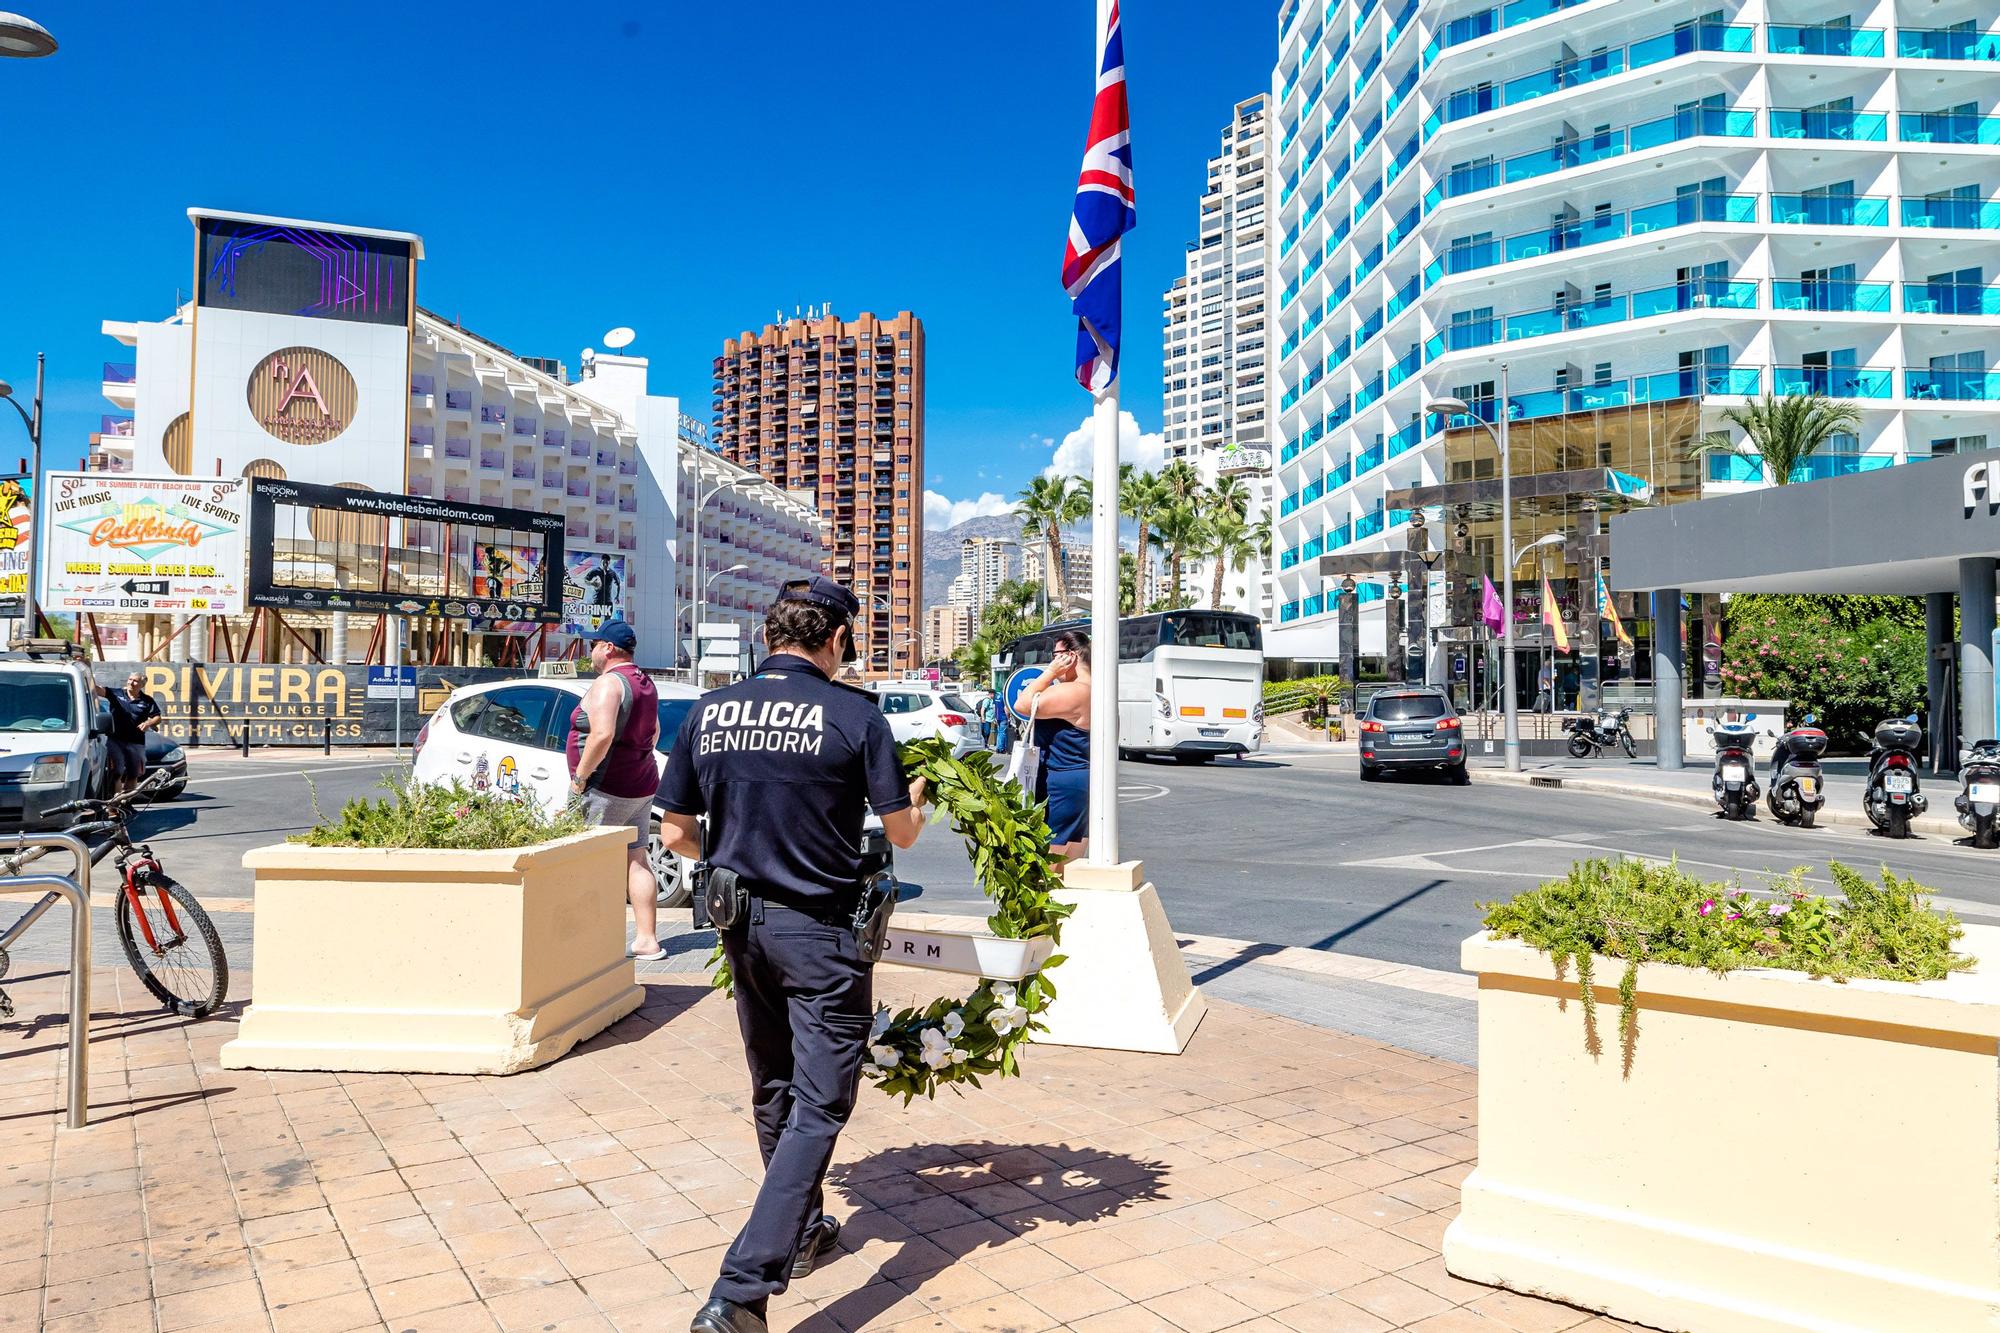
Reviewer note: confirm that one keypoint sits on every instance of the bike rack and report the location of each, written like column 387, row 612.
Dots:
column 76, row 889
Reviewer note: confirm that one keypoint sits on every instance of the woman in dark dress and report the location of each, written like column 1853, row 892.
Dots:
column 1060, row 700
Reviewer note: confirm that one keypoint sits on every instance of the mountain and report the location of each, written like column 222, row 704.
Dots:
column 941, row 551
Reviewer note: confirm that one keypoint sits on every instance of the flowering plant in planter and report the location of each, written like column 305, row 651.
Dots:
column 916, row 1051
column 1644, row 912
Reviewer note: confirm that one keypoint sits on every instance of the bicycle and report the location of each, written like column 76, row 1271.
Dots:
column 168, row 939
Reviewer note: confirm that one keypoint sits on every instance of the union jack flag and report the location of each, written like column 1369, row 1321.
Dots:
column 1103, row 213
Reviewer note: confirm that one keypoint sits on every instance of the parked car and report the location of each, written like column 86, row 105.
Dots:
column 52, row 739
column 920, row 710
column 163, row 752
column 509, row 736
column 1412, row 727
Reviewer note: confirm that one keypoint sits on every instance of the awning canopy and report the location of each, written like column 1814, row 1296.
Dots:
column 1479, row 498
column 1898, row 530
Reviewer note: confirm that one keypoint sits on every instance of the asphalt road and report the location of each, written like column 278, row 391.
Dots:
column 1290, row 848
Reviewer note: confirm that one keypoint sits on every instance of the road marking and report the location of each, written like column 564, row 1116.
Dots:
column 205, row 780
column 1149, row 791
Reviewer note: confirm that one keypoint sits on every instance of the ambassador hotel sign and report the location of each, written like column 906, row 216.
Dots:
column 302, row 395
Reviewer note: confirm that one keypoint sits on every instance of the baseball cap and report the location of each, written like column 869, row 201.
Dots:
column 616, row 633
column 821, row 591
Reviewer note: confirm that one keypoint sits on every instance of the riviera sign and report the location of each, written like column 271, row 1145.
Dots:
column 1982, row 488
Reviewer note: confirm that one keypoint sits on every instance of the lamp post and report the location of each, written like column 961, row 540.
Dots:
column 33, row 421
column 22, row 38
column 1510, row 706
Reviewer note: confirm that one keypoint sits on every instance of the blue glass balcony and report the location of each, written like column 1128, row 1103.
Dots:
column 1834, row 381
column 1368, row 525
column 1340, row 476
column 1401, row 90
column 1969, row 214
column 1824, row 39
column 1853, row 297
column 1681, row 211
column 1400, row 24
column 1340, row 536
column 1953, row 386
column 1750, row 468
column 1370, row 459
column 1288, row 558
column 1821, row 210
column 1288, row 612
column 1314, row 604
column 1402, row 228
column 1339, row 416
column 1947, row 127
column 1617, row 309
column 1694, row 122
column 1404, row 156
column 1369, row 393
column 1368, row 69
column 1815, row 123
column 1576, row 72
column 1405, row 366
column 1370, row 326
column 1403, row 297
column 1945, row 44
column 1950, row 298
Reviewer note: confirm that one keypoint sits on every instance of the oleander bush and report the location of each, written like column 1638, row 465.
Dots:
column 441, row 816
column 1644, row 912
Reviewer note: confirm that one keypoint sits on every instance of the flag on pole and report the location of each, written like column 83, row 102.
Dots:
column 1609, row 611
column 1103, row 213
column 1491, row 612
column 1552, row 617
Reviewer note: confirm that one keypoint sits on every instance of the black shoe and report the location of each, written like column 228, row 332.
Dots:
column 820, row 1240
column 720, row 1316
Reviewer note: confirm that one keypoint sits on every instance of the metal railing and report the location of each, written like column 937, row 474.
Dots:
column 75, row 888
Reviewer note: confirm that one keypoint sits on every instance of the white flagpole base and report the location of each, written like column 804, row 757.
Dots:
column 1124, row 987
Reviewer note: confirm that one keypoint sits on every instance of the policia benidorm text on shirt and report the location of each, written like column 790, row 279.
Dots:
column 785, row 765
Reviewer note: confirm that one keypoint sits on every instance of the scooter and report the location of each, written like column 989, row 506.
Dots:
column 1979, row 795
column 1735, row 782
column 1798, row 788
column 1587, row 735
column 1893, row 796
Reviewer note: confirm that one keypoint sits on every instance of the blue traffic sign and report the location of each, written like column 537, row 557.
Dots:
column 1015, row 684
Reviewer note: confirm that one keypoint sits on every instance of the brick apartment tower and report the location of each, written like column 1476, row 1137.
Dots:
column 836, row 408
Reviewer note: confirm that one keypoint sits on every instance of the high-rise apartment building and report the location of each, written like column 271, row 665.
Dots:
column 946, row 630
column 835, row 408
column 983, row 563
column 1636, row 218
column 1216, row 408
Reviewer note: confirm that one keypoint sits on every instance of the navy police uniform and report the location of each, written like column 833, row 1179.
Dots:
column 785, row 764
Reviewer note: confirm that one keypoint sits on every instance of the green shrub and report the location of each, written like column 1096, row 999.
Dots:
column 1315, row 696
column 446, row 816
column 1643, row 912
column 1827, row 659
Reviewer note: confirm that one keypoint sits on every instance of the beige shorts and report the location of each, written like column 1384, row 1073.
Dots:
column 635, row 812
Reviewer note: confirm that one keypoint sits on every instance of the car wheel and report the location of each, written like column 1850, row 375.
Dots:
column 174, row 791
column 1457, row 775
column 1370, row 773
column 666, row 872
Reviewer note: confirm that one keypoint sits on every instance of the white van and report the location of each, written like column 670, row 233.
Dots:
column 52, row 737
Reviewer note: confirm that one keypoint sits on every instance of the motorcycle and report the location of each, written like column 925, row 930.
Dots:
column 1587, row 735
column 1893, row 796
column 1798, row 788
column 1735, row 781
column 1979, row 795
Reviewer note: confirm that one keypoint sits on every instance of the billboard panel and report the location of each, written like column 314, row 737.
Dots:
column 17, row 513
column 335, row 548
column 593, row 590
column 117, row 542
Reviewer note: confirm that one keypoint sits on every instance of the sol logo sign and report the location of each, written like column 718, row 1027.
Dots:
column 302, row 395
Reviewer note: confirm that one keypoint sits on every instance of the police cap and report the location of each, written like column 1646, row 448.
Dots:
column 822, row 591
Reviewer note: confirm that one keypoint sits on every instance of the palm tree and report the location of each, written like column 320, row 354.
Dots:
column 1227, row 493
column 1784, row 431
column 1046, row 506
column 1139, row 495
column 1182, row 529
column 1233, row 542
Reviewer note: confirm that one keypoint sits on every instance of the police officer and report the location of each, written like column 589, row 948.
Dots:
column 785, row 765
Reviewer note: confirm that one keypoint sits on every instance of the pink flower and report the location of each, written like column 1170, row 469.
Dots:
column 1736, row 916
column 1779, row 909
column 1707, row 906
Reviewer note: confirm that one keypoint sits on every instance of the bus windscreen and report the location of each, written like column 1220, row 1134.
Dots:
column 1210, row 629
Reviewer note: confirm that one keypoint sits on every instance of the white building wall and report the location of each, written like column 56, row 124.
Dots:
column 1622, row 204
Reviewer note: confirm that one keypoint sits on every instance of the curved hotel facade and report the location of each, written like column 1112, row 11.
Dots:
column 1645, row 217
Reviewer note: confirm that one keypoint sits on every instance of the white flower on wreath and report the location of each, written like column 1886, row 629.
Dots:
column 938, row 1052
column 1007, row 1018
column 954, row 1024
column 1003, row 995
column 882, row 1021
column 882, row 1061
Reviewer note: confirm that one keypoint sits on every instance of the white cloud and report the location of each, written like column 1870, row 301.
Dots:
column 942, row 512
column 1146, row 448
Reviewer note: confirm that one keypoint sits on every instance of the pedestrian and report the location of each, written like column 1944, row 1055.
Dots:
column 1060, row 700
column 785, row 766
column 133, row 713
column 1544, row 680
column 613, row 774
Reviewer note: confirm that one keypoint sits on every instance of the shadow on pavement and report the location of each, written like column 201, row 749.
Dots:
column 937, row 1204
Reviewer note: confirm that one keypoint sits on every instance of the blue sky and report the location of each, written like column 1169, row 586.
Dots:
column 669, row 166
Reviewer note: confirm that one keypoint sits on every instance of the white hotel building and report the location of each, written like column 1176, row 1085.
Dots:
column 474, row 422
column 1217, row 363
column 1647, row 214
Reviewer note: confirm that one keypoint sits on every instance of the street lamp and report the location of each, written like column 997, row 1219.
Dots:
column 1458, row 407
column 34, row 424
column 701, row 503
column 23, row 38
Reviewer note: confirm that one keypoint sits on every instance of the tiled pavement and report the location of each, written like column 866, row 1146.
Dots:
column 1275, row 1177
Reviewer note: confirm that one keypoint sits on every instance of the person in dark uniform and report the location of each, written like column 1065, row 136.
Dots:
column 785, row 766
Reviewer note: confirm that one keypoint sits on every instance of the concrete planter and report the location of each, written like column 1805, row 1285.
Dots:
column 1783, row 1153
column 440, row 962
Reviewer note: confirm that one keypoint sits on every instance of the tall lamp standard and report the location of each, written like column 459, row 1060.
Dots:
column 1510, row 705
column 22, row 38
column 33, row 421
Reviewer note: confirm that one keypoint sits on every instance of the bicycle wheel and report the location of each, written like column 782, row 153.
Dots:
column 187, row 969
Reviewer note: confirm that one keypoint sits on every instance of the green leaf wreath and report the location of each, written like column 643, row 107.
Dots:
column 1006, row 832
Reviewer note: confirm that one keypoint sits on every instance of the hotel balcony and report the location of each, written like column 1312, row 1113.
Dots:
column 121, row 383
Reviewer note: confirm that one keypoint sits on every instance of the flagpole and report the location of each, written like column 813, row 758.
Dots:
column 1104, row 627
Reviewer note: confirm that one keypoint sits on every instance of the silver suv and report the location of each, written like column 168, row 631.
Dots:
column 52, row 737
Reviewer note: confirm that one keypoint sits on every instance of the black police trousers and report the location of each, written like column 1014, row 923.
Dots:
column 805, row 1002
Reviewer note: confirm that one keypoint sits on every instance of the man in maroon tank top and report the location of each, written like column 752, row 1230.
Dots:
column 613, row 774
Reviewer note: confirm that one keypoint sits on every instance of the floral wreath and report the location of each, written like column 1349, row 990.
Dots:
column 948, row 1042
